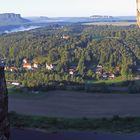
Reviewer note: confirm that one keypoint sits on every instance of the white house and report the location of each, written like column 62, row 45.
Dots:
column 25, row 61
column 49, row 66
column 15, row 83
column 99, row 66
column 71, row 71
column 35, row 65
column 66, row 37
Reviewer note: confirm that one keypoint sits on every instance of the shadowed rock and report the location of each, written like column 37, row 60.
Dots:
column 4, row 121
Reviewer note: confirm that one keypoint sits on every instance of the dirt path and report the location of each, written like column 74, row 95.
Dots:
column 74, row 104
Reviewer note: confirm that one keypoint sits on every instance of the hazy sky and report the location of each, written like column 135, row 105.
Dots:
column 61, row 8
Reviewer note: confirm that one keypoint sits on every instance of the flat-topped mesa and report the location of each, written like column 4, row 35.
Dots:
column 138, row 12
column 10, row 15
column 11, row 18
column 4, row 121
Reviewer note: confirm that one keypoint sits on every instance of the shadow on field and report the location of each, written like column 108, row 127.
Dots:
column 19, row 134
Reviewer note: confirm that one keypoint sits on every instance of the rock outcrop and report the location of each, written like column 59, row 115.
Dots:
column 138, row 12
column 4, row 121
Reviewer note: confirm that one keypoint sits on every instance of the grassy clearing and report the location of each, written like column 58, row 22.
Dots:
column 118, row 80
column 17, row 92
column 115, row 124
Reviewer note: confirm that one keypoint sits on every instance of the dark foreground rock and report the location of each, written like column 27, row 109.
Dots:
column 4, row 121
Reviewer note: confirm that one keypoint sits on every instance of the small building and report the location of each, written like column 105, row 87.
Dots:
column 118, row 68
column 99, row 70
column 104, row 76
column 15, row 83
column 137, row 78
column 6, row 68
column 35, row 65
column 99, row 66
column 13, row 69
column 27, row 66
column 49, row 66
column 25, row 61
column 66, row 37
column 71, row 71
column 111, row 76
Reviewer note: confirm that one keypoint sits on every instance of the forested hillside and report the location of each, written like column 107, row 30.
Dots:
column 77, row 48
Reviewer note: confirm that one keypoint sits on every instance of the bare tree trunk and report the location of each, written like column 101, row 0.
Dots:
column 4, row 121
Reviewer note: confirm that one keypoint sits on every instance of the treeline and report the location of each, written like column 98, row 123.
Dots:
column 44, row 81
column 42, row 78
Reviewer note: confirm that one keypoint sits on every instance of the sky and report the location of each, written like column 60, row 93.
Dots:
column 69, row 8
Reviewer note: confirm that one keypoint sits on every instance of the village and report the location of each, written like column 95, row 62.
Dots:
column 28, row 65
column 99, row 70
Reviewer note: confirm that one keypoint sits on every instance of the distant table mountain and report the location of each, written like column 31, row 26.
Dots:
column 101, row 17
column 39, row 19
column 12, row 19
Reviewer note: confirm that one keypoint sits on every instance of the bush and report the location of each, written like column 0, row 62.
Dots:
column 134, row 87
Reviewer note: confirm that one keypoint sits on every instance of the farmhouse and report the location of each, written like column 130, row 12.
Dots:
column 111, row 76
column 6, row 68
column 27, row 66
column 66, row 37
column 99, row 66
column 25, row 61
column 35, row 65
column 15, row 83
column 71, row 71
column 49, row 66
column 99, row 69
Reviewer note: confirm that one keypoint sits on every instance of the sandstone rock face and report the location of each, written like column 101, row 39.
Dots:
column 138, row 12
column 4, row 121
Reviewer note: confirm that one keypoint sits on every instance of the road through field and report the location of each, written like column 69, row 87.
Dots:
column 76, row 104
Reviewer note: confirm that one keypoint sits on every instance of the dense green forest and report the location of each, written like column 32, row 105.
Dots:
column 77, row 53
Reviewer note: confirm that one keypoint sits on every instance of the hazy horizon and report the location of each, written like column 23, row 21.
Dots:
column 69, row 8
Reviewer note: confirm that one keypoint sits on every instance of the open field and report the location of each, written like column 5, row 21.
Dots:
column 76, row 104
column 112, row 23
